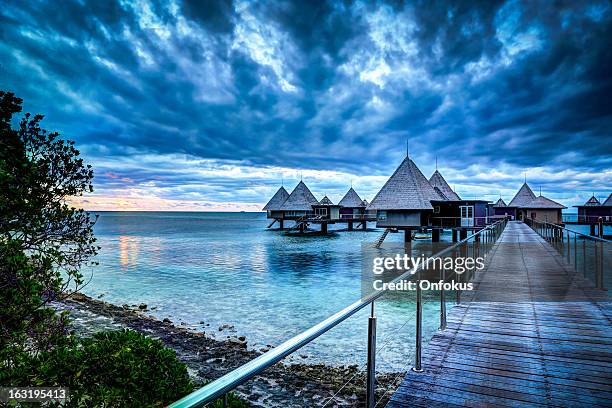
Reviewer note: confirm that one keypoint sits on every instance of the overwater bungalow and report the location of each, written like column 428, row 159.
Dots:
column 351, row 205
column 593, row 209
column 543, row 209
column 526, row 205
column 453, row 211
column 441, row 186
column 500, row 209
column 299, row 203
column 326, row 210
column 405, row 200
column 409, row 201
column 273, row 208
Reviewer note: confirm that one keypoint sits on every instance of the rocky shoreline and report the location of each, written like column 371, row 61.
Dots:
column 283, row 385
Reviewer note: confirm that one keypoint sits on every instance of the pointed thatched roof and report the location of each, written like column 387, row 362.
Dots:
column 500, row 203
column 351, row 199
column 592, row 202
column 437, row 181
column 300, row 199
column 544, row 203
column 326, row 201
column 406, row 189
column 608, row 202
column 277, row 200
column 522, row 197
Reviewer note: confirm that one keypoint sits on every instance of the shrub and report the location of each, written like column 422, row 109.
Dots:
column 112, row 369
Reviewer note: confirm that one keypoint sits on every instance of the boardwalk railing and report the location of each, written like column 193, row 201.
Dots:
column 221, row 386
column 588, row 254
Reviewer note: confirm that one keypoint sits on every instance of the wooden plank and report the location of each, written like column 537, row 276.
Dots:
column 525, row 353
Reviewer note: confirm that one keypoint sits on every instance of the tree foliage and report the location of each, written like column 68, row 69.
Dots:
column 44, row 242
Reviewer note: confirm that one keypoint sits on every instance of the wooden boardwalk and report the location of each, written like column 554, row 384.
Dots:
column 535, row 351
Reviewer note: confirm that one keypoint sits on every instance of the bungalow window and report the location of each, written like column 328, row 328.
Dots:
column 321, row 211
column 382, row 215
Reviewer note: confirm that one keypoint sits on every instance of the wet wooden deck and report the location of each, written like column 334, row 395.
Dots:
column 526, row 353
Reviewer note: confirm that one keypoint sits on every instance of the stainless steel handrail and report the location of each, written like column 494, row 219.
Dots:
column 572, row 231
column 240, row 375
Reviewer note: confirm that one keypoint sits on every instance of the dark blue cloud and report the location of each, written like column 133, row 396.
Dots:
column 328, row 86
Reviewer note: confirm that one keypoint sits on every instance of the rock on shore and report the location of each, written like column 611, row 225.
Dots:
column 283, row 385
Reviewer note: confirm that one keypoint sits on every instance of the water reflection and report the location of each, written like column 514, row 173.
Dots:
column 128, row 252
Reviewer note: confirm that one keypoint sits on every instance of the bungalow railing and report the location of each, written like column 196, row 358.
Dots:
column 359, row 217
column 482, row 240
column 589, row 255
column 458, row 221
column 587, row 219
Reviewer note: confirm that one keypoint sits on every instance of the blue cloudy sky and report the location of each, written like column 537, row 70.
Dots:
column 208, row 105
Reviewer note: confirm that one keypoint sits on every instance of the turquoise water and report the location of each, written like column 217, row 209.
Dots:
column 228, row 268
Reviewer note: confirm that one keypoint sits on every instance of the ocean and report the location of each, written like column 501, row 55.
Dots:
column 228, row 269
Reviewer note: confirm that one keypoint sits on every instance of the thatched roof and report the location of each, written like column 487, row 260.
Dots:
column 500, row 203
column 592, row 202
column 522, row 197
column 608, row 202
column 300, row 199
column 351, row 199
column 277, row 200
column 437, row 181
column 406, row 189
column 543, row 203
column 325, row 201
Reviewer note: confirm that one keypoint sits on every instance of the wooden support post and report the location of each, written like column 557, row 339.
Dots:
column 364, row 225
column 302, row 227
column 592, row 230
column 435, row 235
column 477, row 238
column 350, row 225
column 407, row 235
column 463, row 234
column 324, row 227
column 281, row 223
column 600, row 227
column 454, row 235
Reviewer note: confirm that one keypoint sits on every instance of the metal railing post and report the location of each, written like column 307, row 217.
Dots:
column 371, row 368
column 584, row 257
column 568, row 248
column 575, row 252
column 596, row 266
column 442, row 300
column 599, row 271
column 419, row 326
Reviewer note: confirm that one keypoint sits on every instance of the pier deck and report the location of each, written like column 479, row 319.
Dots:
column 519, row 354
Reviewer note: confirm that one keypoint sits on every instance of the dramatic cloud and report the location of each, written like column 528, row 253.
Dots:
column 208, row 105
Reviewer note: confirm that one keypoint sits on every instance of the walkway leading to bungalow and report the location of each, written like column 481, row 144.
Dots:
column 524, row 353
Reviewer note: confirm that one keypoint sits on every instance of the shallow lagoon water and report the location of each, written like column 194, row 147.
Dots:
column 227, row 268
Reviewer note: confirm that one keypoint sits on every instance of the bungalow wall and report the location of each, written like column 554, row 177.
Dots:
column 399, row 218
column 274, row 214
column 349, row 212
column 541, row 214
column 590, row 214
column 480, row 214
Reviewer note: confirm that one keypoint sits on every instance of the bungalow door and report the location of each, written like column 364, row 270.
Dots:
column 467, row 215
